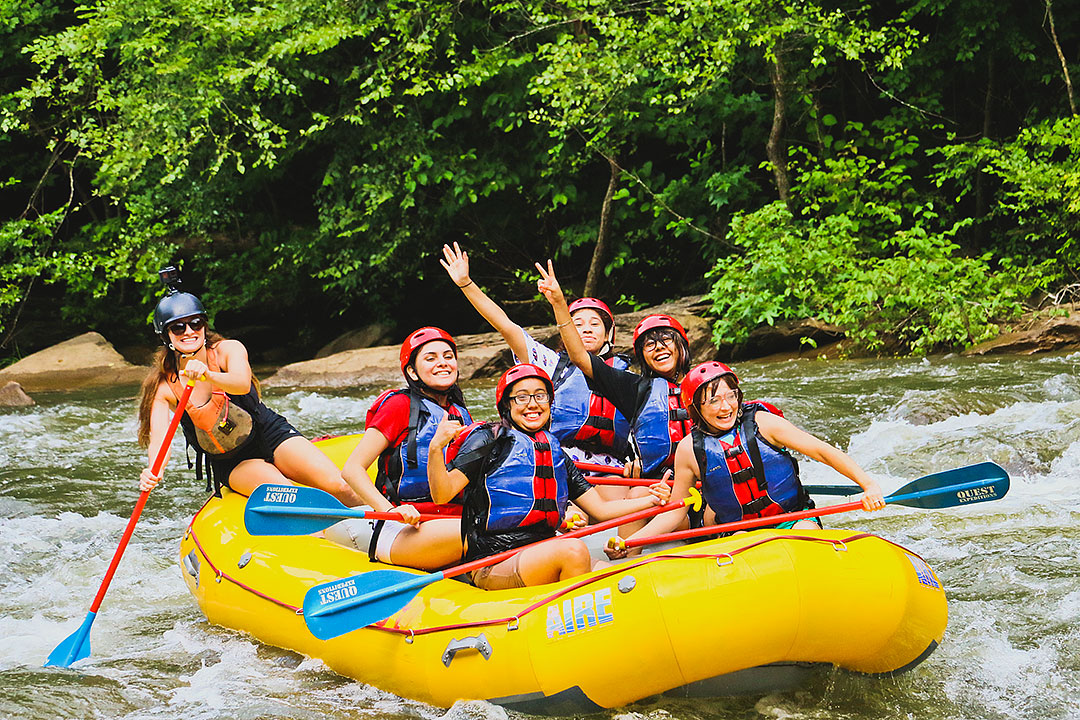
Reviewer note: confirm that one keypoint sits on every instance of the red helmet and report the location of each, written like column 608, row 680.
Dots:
column 702, row 374
column 658, row 321
column 521, row 371
column 421, row 337
column 588, row 303
column 599, row 306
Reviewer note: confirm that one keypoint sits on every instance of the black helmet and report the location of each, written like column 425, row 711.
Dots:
column 176, row 306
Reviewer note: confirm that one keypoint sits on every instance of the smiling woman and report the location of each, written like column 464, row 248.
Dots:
column 516, row 482
column 239, row 442
column 399, row 428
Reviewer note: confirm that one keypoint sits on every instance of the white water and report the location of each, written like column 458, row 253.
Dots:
column 67, row 486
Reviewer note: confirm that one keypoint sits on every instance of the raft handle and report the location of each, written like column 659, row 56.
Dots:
column 727, row 560
column 512, row 624
column 478, row 643
column 839, row 546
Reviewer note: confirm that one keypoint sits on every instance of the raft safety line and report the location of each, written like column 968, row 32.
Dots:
column 512, row 621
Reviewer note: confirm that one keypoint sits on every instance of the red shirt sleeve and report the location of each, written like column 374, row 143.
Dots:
column 392, row 419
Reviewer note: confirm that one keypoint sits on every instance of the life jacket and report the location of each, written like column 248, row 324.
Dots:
column 402, row 472
column 225, row 422
column 660, row 424
column 524, row 482
column 581, row 418
column 743, row 475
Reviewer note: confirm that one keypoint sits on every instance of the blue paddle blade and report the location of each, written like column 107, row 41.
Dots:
column 293, row 510
column 75, row 646
column 967, row 485
column 341, row 606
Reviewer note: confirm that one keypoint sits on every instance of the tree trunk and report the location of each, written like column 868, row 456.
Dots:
column 1061, row 56
column 981, row 181
column 775, row 150
column 596, row 266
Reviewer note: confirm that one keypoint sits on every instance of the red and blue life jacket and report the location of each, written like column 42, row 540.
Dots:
column 402, row 475
column 581, row 418
column 660, row 424
column 743, row 475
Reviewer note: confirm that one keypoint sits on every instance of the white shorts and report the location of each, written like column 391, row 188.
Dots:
column 358, row 534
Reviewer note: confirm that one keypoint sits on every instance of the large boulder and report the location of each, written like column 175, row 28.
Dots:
column 1036, row 333
column 87, row 360
column 368, row 336
column 479, row 356
column 12, row 395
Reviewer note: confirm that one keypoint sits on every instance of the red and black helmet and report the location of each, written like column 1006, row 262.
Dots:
column 653, row 322
column 703, row 374
column 421, row 337
column 521, row 371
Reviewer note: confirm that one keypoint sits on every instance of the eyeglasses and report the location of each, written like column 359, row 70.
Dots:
column 541, row 398
column 196, row 324
column 653, row 343
column 724, row 398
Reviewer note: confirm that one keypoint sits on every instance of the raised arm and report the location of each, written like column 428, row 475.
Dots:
column 575, row 349
column 782, row 433
column 456, row 262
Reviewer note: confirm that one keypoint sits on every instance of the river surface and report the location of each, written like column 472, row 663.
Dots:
column 1011, row 568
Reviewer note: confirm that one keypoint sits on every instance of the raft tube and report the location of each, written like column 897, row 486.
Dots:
column 751, row 613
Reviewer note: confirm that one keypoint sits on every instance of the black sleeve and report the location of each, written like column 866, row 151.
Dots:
column 576, row 484
column 622, row 388
column 474, row 451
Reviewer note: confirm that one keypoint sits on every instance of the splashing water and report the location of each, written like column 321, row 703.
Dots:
column 68, row 472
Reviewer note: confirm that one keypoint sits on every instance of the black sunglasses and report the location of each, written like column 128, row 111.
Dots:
column 196, row 324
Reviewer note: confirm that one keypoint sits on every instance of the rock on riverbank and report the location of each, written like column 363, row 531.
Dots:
column 87, row 360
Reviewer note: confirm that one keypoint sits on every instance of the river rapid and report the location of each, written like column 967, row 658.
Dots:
column 1011, row 568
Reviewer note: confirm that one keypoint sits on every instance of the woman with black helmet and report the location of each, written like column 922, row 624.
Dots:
column 398, row 431
column 739, row 452
column 650, row 401
column 517, row 481
column 588, row 426
column 239, row 442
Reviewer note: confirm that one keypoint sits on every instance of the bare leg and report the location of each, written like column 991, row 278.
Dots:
column 553, row 561
column 299, row 460
column 434, row 544
column 250, row 474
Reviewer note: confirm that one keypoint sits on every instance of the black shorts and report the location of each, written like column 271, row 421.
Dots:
column 271, row 430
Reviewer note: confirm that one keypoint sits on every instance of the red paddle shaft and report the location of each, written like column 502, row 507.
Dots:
column 163, row 451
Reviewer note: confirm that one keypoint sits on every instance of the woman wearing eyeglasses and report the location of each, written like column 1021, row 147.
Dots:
column 239, row 442
column 517, row 481
column 739, row 452
column 588, row 426
column 650, row 401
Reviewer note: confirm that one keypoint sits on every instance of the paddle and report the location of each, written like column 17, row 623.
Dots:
column 348, row 604
column 967, row 485
column 594, row 468
column 77, row 645
column 299, row 510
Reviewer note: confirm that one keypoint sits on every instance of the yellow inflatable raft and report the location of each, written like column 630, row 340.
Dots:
column 748, row 613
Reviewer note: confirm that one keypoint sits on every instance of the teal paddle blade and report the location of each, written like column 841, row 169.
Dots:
column 74, row 647
column 293, row 510
column 967, row 485
column 341, row 606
